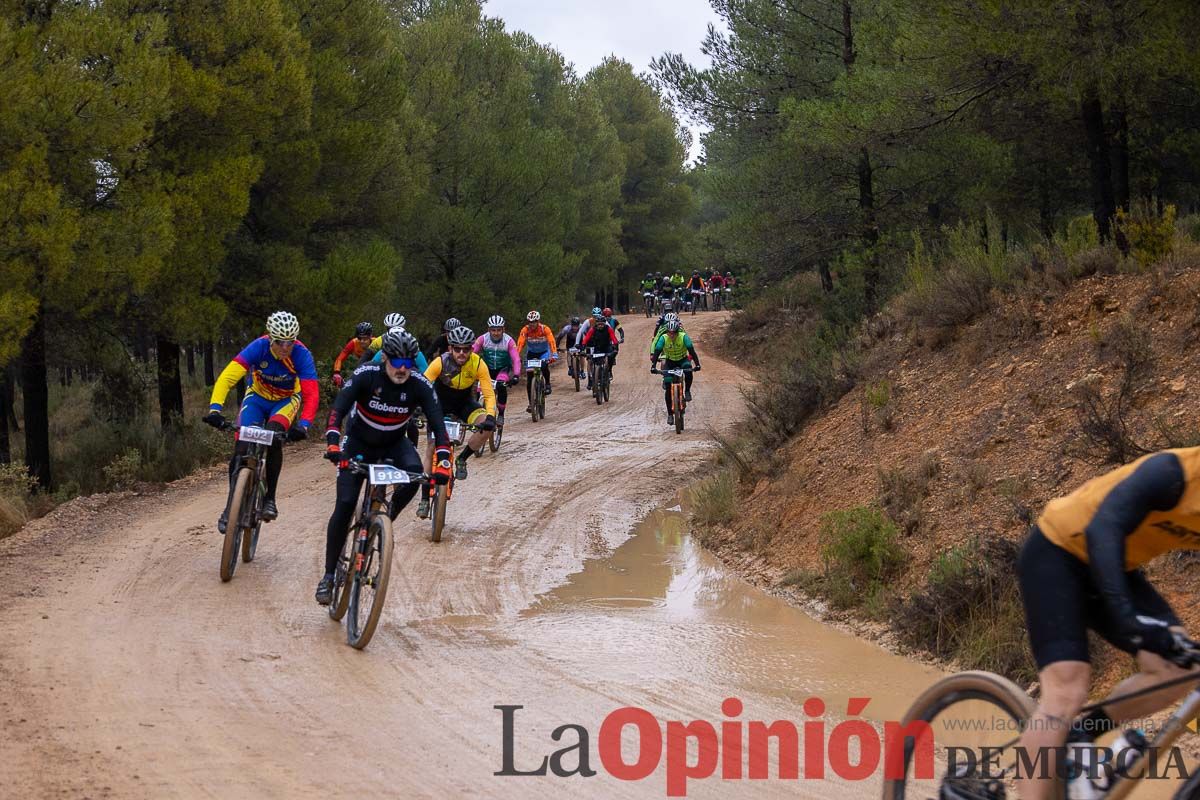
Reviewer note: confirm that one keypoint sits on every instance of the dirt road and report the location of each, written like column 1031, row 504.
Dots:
column 127, row 669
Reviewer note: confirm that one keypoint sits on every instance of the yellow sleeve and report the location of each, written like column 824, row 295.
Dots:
column 484, row 376
column 228, row 378
column 434, row 370
column 376, row 344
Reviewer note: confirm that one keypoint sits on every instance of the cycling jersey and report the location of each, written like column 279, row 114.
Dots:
column 500, row 356
column 602, row 339
column 568, row 335
column 696, row 282
column 377, row 410
column 444, row 372
column 353, row 348
column 659, row 330
column 271, row 378
column 716, row 282
column 537, row 339
column 1146, row 508
column 674, row 348
column 677, row 280
column 615, row 324
column 648, row 286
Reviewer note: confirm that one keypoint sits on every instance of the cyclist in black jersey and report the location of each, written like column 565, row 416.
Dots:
column 375, row 407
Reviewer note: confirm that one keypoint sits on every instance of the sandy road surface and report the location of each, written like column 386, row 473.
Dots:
column 127, row 669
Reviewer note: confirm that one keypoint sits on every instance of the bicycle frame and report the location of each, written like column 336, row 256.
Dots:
column 1186, row 712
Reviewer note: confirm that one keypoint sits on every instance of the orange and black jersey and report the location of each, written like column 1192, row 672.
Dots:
column 1120, row 520
column 377, row 411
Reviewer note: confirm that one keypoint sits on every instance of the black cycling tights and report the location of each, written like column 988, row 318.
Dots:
column 274, row 460
column 403, row 455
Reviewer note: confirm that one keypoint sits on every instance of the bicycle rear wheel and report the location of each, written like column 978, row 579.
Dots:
column 540, row 408
column 437, row 512
column 677, row 395
column 341, row 577
column 971, row 710
column 575, row 369
column 368, row 585
column 233, row 527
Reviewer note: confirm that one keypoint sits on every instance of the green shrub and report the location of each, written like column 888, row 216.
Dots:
column 1151, row 236
column 970, row 610
column 16, row 485
column 714, row 500
column 1100, row 260
column 859, row 553
column 902, row 492
column 1082, row 234
column 124, row 470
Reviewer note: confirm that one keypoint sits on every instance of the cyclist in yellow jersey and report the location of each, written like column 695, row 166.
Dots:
column 1080, row 569
column 454, row 375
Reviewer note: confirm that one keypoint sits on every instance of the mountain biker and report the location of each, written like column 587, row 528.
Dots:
column 440, row 344
column 568, row 336
column 356, row 347
column 283, row 383
column 677, row 282
column 675, row 347
column 666, row 292
column 615, row 324
column 648, row 283
column 602, row 339
column 376, row 347
column 661, row 326
column 1080, row 569
column 536, row 340
column 499, row 353
column 695, row 287
column 395, row 319
column 596, row 318
column 454, row 375
column 376, row 406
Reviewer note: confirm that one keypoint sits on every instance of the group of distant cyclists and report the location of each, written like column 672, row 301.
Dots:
column 686, row 293
column 394, row 388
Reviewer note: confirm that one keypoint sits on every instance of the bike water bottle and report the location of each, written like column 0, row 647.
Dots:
column 1128, row 747
column 1082, row 763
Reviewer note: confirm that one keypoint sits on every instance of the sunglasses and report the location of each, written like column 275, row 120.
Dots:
column 402, row 363
column 283, row 342
column 458, row 349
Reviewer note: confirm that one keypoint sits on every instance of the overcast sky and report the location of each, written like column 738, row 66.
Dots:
column 586, row 31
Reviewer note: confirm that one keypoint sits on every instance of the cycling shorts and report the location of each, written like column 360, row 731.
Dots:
column 1061, row 603
column 460, row 403
column 258, row 410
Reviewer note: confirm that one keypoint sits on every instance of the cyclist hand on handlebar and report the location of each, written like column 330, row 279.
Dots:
column 337, row 380
column 488, row 423
column 442, row 464
column 297, row 433
column 215, row 418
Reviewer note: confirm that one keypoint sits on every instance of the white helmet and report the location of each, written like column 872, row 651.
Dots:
column 495, row 321
column 461, row 336
column 533, row 316
column 283, row 325
column 670, row 316
column 394, row 319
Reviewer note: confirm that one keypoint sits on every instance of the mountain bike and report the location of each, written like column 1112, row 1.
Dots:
column 648, row 301
column 599, row 376
column 675, row 377
column 496, row 436
column 537, row 388
column 697, row 298
column 969, row 711
column 576, row 356
column 243, row 513
column 716, row 298
column 360, row 580
column 439, row 494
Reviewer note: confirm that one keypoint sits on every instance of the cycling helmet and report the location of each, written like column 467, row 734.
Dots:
column 462, row 335
column 451, row 324
column 607, row 312
column 728, row 274
column 670, row 316
column 495, row 321
column 397, row 343
column 533, row 316
column 393, row 319
column 597, row 311
column 364, row 329
column 695, row 272
column 283, row 325
column 649, row 276
column 672, row 325
column 574, row 320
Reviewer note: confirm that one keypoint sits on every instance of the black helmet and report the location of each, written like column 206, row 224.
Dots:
column 574, row 320
column 451, row 324
column 399, row 344
column 363, row 329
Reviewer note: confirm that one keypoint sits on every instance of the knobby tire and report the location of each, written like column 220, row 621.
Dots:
column 377, row 568
column 233, row 524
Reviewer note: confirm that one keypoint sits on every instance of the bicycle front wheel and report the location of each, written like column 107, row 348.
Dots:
column 368, row 585
column 437, row 512
column 233, row 522
column 962, row 713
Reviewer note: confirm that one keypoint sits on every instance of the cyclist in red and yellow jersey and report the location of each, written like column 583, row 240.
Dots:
column 356, row 347
column 1080, row 570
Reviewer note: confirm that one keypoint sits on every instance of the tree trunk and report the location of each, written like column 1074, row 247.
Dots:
column 1120, row 158
column 6, row 395
column 826, row 277
column 870, row 233
column 210, row 367
column 191, row 361
column 9, row 388
column 37, row 402
column 170, row 387
column 1103, row 201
